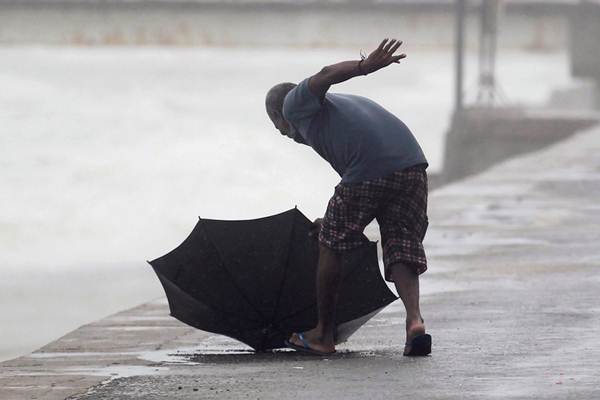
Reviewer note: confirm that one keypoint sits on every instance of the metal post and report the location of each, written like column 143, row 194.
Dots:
column 488, row 41
column 460, row 8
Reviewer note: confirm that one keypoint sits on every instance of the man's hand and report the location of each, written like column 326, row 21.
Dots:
column 316, row 228
column 382, row 56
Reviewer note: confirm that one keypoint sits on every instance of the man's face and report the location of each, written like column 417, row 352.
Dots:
column 281, row 124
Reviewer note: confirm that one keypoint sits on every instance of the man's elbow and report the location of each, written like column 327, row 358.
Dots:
column 325, row 73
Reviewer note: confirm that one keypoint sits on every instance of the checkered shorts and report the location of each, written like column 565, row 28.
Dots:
column 398, row 202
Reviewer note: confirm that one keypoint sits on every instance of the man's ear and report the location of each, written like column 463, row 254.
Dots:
column 278, row 115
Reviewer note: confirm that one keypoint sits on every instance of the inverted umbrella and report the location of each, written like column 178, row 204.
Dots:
column 255, row 280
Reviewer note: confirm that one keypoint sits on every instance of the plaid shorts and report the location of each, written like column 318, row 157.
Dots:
column 398, row 202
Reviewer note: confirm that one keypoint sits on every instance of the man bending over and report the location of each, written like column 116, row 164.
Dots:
column 383, row 177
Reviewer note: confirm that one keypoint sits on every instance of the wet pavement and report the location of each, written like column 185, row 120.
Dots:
column 510, row 300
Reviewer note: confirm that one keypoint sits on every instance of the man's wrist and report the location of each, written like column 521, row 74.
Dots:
column 361, row 68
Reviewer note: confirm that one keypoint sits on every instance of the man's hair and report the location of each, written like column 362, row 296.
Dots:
column 275, row 96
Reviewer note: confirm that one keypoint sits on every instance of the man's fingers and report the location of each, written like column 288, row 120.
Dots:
column 382, row 44
column 395, row 47
column 315, row 227
column 314, row 232
column 389, row 45
column 397, row 59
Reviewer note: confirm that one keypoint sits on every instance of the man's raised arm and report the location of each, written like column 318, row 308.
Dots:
column 381, row 57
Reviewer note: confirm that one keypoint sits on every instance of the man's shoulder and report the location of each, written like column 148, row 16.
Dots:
column 300, row 103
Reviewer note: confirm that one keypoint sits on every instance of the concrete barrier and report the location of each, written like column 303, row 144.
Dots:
column 212, row 23
column 479, row 138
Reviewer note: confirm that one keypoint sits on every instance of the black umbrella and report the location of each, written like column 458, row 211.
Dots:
column 254, row 280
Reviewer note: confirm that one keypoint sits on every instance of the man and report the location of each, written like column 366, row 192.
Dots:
column 383, row 177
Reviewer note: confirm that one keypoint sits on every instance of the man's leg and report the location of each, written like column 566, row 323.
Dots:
column 349, row 211
column 403, row 223
column 321, row 337
column 407, row 284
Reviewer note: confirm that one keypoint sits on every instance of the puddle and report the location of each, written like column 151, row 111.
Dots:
column 139, row 328
column 116, row 371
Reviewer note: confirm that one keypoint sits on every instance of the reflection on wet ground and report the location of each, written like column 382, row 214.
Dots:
column 280, row 355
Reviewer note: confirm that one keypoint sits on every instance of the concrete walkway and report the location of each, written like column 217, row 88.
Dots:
column 511, row 300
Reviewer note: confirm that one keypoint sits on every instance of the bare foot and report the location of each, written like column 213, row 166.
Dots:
column 414, row 328
column 315, row 341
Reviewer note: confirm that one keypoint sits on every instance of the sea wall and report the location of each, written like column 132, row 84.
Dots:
column 479, row 138
column 265, row 24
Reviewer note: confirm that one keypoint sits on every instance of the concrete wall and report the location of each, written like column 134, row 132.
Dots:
column 318, row 24
column 584, row 44
column 480, row 138
column 584, row 29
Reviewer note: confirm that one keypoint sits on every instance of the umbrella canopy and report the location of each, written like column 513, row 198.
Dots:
column 254, row 280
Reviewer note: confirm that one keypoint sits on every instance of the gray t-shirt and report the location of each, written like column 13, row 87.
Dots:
column 359, row 138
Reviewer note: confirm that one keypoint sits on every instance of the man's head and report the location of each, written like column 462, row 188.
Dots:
column 274, row 105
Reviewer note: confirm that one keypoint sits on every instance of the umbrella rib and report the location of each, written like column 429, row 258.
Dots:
column 185, row 293
column 231, row 275
column 285, row 271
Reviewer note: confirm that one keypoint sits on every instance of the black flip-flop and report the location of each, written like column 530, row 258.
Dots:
column 419, row 346
column 305, row 348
